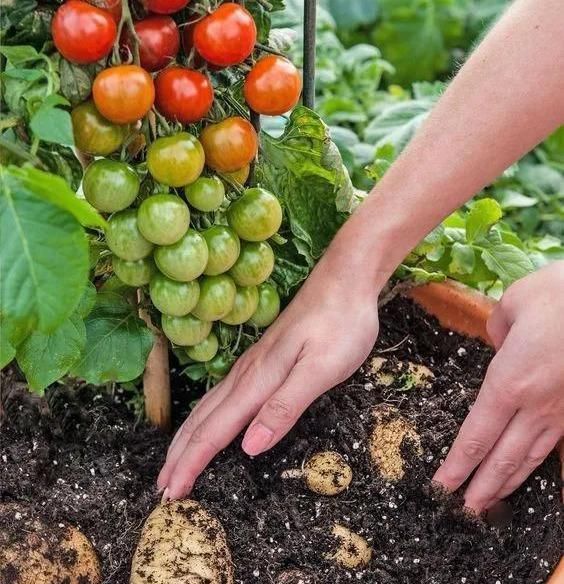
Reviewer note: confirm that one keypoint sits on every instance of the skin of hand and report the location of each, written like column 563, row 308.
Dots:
column 518, row 417
column 486, row 120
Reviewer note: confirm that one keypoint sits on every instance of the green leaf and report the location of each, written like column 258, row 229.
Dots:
column 19, row 55
column 290, row 268
column 52, row 124
column 76, row 82
column 44, row 259
column 44, row 358
column 87, row 301
column 419, row 275
column 118, row 342
column 353, row 13
column 462, row 259
column 56, row 191
column 507, row 261
column 512, row 199
column 62, row 161
column 482, row 216
column 7, row 351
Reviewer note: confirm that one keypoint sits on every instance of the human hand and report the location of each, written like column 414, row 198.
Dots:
column 518, row 417
column 323, row 336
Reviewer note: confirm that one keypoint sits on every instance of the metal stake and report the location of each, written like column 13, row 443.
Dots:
column 309, row 53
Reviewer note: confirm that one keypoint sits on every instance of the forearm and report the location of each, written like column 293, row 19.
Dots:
column 506, row 99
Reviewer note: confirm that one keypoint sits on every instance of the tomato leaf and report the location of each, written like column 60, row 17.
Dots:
column 7, row 351
column 52, row 124
column 118, row 342
column 76, row 82
column 44, row 259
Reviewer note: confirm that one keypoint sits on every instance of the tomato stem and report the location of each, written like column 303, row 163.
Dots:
column 267, row 49
column 21, row 153
column 126, row 20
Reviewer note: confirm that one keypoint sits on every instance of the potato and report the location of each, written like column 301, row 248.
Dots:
column 181, row 542
column 352, row 550
column 325, row 473
column 32, row 552
column 389, row 432
column 409, row 375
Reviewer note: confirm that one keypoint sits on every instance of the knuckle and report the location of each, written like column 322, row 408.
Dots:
column 279, row 409
column 533, row 460
column 200, row 436
column 504, row 468
column 474, row 450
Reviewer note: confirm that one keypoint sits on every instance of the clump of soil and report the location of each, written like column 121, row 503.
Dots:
column 84, row 462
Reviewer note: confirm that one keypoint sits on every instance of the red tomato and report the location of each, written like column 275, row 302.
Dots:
column 159, row 41
column 183, row 95
column 230, row 144
column 123, row 94
column 83, row 33
column 227, row 36
column 112, row 6
column 273, row 86
column 165, row 6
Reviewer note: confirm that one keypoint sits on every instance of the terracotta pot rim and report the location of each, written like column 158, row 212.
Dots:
column 466, row 311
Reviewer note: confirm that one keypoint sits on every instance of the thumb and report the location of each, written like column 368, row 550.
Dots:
column 498, row 326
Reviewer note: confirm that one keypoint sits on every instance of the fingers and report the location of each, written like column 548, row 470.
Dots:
column 498, row 326
column 279, row 414
column 505, row 459
column 542, row 447
column 485, row 423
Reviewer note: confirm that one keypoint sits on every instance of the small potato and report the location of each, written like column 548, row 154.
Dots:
column 325, row 473
column 181, row 542
column 352, row 550
column 408, row 375
column 32, row 552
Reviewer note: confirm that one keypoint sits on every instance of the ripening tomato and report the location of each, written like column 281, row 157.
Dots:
column 134, row 273
column 159, row 41
column 206, row 194
column 83, row 33
column 245, row 305
column 165, row 6
column 93, row 134
column 176, row 160
column 220, row 365
column 111, row 6
column 240, row 176
column 163, row 219
column 205, row 350
column 183, row 95
column 217, row 297
column 223, row 249
column 124, row 238
column 256, row 215
column 254, row 265
column 273, row 86
column 173, row 298
column 230, row 144
column 268, row 306
column 185, row 330
column 227, row 36
column 184, row 260
column 110, row 186
column 123, row 94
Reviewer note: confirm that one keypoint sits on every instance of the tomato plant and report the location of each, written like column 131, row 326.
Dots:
column 163, row 219
column 206, row 194
column 109, row 185
column 273, row 86
column 183, row 95
column 217, row 297
column 173, row 298
column 93, row 134
column 124, row 238
column 83, row 33
column 227, row 36
column 184, row 260
column 256, row 215
column 230, row 144
column 205, row 350
column 254, row 265
column 123, row 94
column 176, row 160
column 224, row 247
column 268, row 306
column 245, row 305
column 159, row 41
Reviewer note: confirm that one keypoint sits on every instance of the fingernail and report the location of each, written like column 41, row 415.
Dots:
column 257, row 439
column 166, row 496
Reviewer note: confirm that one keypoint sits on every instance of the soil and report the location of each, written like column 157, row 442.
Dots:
column 84, row 461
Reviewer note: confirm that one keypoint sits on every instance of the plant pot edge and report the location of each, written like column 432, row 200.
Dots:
column 466, row 311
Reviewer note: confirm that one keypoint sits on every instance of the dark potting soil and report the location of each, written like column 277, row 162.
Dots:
column 83, row 461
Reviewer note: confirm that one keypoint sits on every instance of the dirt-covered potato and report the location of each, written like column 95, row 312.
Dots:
column 385, row 442
column 352, row 550
column 408, row 375
column 33, row 552
column 182, row 543
column 325, row 473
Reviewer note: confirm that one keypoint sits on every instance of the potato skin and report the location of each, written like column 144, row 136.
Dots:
column 327, row 473
column 181, row 541
column 32, row 552
column 352, row 550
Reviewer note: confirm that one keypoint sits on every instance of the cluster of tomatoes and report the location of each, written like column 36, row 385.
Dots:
column 200, row 241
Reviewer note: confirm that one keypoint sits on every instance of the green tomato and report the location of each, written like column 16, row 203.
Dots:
column 176, row 160
column 110, row 186
column 173, row 298
column 206, row 194
column 268, row 306
column 223, row 246
column 205, row 350
column 163, row 219
column 93, row 134
column 134, row 273
column 185, row 330
column 246, row 302
column 220, row 365
column 124, row 238
column 254, row 265
column 217, row 297
column 256, row 216
column 184, row 260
